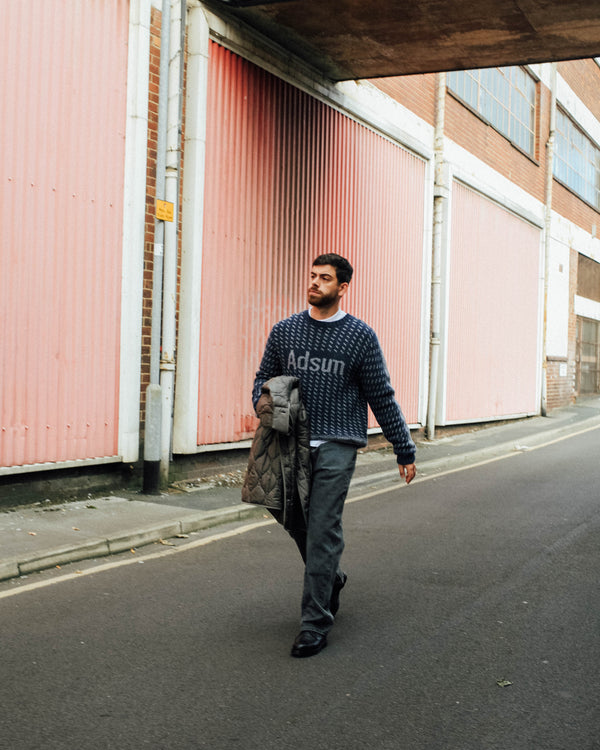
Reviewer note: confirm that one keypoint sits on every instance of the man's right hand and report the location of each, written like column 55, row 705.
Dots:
column 407, row 472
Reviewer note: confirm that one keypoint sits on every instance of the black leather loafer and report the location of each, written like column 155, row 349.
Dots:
column 338, row 585
column 308, row 643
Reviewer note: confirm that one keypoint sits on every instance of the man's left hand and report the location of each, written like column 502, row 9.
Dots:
column 407, row 472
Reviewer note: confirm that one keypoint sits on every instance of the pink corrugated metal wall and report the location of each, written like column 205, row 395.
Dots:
column 62, row 132
column 493, row 310
column 287, row 178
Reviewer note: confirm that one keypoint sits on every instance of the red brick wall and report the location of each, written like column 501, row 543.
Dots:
column 583, row 76
column 567, row 204
column 150, row 198
column 559, row 387
column 416, row 93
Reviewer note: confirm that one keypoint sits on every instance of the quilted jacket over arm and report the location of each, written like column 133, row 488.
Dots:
column 278, row 474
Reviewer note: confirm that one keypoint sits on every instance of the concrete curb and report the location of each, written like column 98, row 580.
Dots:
column 114, row 544
column 471, row 458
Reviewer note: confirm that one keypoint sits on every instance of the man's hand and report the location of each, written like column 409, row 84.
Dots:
column 407, row 472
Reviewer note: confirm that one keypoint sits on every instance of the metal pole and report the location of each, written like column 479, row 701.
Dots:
column 547, row 235
column 152, row 430
column 440, row 196
column 174, row 120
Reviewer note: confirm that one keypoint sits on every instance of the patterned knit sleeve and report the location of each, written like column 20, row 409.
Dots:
column 270, row 366
column 376, row 385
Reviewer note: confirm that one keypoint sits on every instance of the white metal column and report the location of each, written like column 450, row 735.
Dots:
column 185, row 427
column 134, row 212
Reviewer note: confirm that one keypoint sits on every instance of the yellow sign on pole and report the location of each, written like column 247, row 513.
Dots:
column 164, row 210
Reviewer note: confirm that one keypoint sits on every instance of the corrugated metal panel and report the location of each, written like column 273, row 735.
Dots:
column 287, row 178
column 62, row 105
column 493, row 311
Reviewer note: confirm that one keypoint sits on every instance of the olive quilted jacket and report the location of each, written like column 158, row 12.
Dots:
column 278, row 474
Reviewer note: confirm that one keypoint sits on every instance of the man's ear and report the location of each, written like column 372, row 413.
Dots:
column 343, row 288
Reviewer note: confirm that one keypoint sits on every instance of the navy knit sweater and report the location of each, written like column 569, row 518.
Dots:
column 341, row 369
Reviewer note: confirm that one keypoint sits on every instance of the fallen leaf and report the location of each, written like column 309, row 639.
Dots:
column 132, row 551
column 32, row 533
column 75, row 528
column 503, row 683
column 182, row 536
column 167, row 544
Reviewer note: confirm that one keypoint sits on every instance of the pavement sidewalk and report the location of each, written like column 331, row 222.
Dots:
column 44, row 535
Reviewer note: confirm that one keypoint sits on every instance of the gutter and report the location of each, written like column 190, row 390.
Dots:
column 173, row 160
column 153, row 426
column 547, row 236
column 440, row 199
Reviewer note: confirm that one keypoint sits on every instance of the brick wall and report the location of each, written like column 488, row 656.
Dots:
column 416, row 93
column 567, row 204
column 583, row 76
column 150, row 198
column 560, row 379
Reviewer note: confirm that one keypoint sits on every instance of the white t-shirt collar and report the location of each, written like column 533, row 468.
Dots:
column 332, row 319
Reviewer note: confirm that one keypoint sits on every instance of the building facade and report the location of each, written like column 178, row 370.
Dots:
column 468, row 203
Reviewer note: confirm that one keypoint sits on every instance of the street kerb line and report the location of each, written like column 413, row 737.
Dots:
column 464, row 467
column 136, row 561
column 269, row 522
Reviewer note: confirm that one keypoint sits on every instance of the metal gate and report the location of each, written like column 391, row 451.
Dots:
column 493, row 317
column 62, row 142
column 588, row 356
column 289, row 177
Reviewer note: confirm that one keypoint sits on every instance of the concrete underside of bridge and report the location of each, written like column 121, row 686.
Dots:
column 351, row 39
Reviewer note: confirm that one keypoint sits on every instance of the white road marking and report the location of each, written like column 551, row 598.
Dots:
column 134, row 560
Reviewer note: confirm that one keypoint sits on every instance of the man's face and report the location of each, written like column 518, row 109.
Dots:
column 324, row 289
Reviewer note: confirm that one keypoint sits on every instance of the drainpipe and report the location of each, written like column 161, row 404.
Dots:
column 152, row 431
column 440, row 197
column 174, row 119
column 547, row 235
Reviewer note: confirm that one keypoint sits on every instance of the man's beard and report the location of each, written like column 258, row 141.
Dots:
column 322, row 300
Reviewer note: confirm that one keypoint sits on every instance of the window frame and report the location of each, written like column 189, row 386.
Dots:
column 577, row 140
column 482, row 93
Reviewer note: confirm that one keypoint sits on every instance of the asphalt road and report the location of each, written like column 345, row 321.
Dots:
column 458, row 585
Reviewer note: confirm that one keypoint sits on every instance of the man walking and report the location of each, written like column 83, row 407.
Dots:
column 341, row 369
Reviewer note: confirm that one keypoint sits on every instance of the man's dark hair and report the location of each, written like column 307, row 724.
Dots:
column 343, row 269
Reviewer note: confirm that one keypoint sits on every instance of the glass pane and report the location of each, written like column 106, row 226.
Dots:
column 505, row 97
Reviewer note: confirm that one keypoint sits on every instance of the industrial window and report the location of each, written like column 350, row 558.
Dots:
column 588, row 355
column 505, row 97
column 576, row 160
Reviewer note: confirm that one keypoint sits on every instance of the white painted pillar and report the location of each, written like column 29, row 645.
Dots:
column 134, row 215
column 185, row 428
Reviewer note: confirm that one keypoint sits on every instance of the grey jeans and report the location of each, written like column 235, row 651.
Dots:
column 321, row 541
